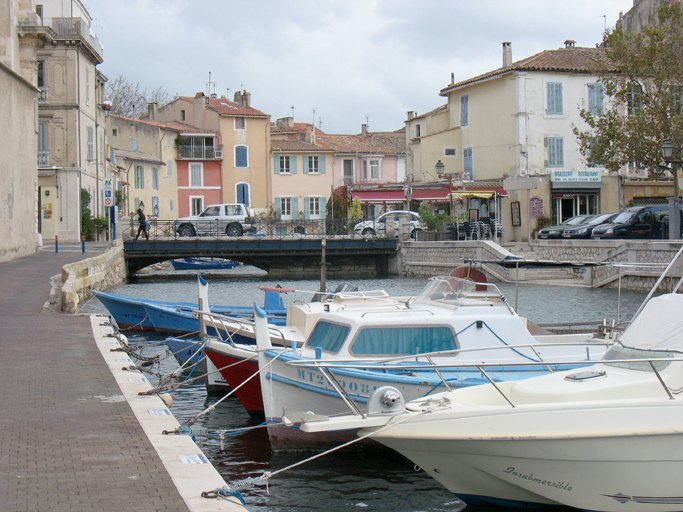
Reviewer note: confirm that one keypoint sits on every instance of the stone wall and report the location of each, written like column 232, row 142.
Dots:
column 99, row 273
column 637, row 264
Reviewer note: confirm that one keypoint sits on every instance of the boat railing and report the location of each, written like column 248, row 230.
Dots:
column 228, row 325
column 326, row 369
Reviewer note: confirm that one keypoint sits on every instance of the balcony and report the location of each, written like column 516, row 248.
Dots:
column 75, row 27
column 43, row 94
column 199, row 153
column 347, row 180
column 43, row 158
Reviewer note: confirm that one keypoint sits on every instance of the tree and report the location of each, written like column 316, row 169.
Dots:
column 642, row 80
column 130, row 99
column 340, row 201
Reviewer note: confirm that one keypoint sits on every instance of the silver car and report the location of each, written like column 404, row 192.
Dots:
column 378, row 226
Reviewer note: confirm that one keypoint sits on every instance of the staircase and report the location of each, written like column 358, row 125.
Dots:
column 546, row 275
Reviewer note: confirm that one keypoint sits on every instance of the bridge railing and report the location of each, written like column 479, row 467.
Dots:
column 271, row 228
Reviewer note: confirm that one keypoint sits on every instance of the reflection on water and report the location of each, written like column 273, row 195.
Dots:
column 349, row 479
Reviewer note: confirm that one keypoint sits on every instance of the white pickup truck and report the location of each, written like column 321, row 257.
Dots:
column 232, row 219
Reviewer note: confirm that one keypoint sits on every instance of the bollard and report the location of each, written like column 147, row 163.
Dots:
column 83, row 243
column 56, row 243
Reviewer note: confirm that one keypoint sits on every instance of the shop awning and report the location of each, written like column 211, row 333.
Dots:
column 431, row 195
column 380, row 196
column 480, row 192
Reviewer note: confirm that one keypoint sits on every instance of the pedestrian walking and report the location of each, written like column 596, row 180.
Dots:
column 142, row 227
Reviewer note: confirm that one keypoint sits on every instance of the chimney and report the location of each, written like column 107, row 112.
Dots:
column 238, row 97
column 452, row 78
column 152, row 109
column 411, row 114
column 246, row 99
column 364, row 129
column 507, row 54
column 570, row 43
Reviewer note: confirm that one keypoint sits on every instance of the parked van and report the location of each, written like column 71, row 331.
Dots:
column 643, row 222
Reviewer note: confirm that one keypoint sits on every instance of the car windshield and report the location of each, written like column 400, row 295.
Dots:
column 579, row 219
column 624, row 216
column 600, row 219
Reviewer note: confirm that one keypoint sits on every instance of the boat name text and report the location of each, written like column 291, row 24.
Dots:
column 558, row 485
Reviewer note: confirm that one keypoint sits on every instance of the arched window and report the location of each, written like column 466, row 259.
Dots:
column 241, row 156
column 243, row 193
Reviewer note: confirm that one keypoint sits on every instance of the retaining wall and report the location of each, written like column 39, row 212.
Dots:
column 425, row 259
column 98, row 273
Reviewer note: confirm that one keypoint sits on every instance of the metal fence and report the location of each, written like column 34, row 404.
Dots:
column 271, row 228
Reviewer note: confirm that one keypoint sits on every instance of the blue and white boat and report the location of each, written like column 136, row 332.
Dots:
column 449, row 324
column 203, row 264
column 130, row 314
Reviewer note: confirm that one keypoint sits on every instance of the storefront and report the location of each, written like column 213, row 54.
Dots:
column 575, row 193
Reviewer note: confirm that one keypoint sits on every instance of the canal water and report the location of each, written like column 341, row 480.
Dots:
column 349, row 479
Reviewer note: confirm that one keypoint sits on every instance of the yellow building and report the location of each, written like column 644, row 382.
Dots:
column 516, row 122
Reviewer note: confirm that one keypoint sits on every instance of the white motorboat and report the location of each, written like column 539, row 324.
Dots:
column 450, row 323
column 604, row 438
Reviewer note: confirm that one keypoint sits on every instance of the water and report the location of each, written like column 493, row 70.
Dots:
column 349, row 479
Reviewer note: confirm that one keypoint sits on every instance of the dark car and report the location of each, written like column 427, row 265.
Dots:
column 584, row 230
column 644, row 222
column 556, row 231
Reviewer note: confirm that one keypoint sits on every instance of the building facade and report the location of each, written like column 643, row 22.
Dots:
column 20, row 35
column 516, row 122
column 71, row 121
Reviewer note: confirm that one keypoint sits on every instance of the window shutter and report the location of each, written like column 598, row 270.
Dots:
column 276, row 164
column 295, row 207
column 323, row 207
column 169, row 168
column 278, row 205
column 241, row 156
column 321, row 164
column 307, row 208
column 292, row 164
column 305, row 164
column 554, row 98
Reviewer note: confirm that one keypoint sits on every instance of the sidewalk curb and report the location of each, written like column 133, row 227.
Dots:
column 187, row 466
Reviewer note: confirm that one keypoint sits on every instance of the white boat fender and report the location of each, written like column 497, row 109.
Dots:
column 386, row 400
column 167, row 399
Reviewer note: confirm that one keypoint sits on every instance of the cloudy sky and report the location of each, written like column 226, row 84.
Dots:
column 353, row 61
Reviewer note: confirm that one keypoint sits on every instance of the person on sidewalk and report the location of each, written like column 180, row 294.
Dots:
column 142, row 220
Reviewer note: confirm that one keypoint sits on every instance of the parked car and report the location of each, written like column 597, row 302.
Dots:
column 233, row 219
column 556, row 231
column 645, row 222
column 378, row 226
column 585, row 230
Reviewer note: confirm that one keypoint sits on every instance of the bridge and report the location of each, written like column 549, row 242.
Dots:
column 294, row 251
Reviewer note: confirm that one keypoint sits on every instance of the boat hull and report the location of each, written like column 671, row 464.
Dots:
column 601, row 473
column 236, row 366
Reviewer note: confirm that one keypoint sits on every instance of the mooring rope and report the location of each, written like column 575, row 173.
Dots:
column 233, row 488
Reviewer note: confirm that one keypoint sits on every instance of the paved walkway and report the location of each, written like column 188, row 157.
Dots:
column 63, row 445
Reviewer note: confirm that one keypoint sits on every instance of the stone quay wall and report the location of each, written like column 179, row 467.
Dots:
column 98, row 273
column 637, row 264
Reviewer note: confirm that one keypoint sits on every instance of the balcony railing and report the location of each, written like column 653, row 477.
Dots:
column 199, row 152
column 43, row 158
column 347, row 180
column 70, row 27
column 43, row 94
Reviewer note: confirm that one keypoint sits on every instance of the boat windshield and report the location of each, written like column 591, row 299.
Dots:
column 618, row 352
column 328, row 336
column 395, row 341
column 445, row 290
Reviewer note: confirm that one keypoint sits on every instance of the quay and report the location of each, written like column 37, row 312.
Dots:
column 74, row 436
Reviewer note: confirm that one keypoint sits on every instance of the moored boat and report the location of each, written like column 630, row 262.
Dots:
column 449, row 323
column 203, row 264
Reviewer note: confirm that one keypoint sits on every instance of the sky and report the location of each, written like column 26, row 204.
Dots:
column 341, row 63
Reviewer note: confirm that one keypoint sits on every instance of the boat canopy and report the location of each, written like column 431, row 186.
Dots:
column 514, row 262
column 659, row 326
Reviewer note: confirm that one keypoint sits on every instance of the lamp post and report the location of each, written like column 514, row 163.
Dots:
column 142, row 206
column 439, row 168
column 674, row 212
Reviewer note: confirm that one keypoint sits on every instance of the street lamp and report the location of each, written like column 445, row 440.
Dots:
column 142, row 206
column 439, row 168
column 674, row 212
